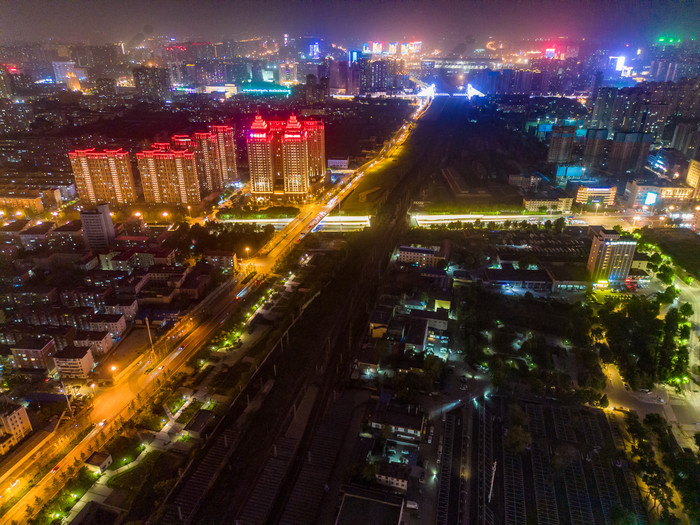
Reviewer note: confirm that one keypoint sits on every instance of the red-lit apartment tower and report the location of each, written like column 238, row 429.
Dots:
column 205, row 155
column 260, row 158
column 317, row 148
column 285, row 157
column 168, row 177
column 103, row 176
column 295, row 158
column 225, row 152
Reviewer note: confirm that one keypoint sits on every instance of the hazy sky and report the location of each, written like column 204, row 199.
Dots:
column 99, row 21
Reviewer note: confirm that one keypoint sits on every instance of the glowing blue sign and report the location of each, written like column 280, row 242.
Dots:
column 651, row 198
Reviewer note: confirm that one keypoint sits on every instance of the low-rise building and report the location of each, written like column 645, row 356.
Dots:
column 437, row 320
column 604, row 195
column 639, row 193
column 98, row 462
column 403, row 422
column 37, row 237
column 14, row 425
column 99, row 342
column 115, row 324
column 393, row 475
column 126, row 306
column 509, row 277
column 74, row 362
column 421, row 255
column 553, row 200
column 35, row 354
column 221, row 259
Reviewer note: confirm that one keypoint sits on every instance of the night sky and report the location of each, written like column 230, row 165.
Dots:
column 98, row 21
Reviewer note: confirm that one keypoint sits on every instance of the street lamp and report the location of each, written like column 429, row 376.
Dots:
column 247, row 250
column 165, row 214
column 137, row 214
column 597, row 205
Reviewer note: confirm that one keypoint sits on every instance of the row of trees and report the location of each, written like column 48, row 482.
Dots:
column 556, row 225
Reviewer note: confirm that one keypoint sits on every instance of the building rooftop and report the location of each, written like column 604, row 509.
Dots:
column 70, row 227
column 365, row 506
column 200, row 421
column 39, row 229
column 568, row 272
column 35, row 342
column 90, row 335
column 7, row 407
column 72, row 352
column 14, row 226
column 106, row 318
column 440, row 315
column 97, row 459
column 509, row 274
column 418, row 249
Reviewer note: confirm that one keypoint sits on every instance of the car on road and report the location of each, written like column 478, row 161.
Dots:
column 55, row 469
column 102, row 423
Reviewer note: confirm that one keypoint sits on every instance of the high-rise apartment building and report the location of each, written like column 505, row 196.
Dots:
column 692, row 179
column 629, row 152
column 152, row 83
column 225, row 143
column 611, row 257
column 103, row 176
column 295, row 158
column 98, row 229
column 285, row 157
column 207, row 160
column 561, row 144
column 594, row 149
column 168, row 177
column 5, row 83
column 602, row 110
column 260, row 158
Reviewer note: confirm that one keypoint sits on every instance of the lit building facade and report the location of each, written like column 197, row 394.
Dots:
column 225, row 145
column 205, row 155
column 260, row 158
column 610, row 257
column 596, row 195
column 169, row 177
column 103, row 176
column 285, row 157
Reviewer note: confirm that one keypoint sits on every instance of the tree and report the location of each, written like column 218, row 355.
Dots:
column 665, row 274
column 686, row 310
column 559, row 224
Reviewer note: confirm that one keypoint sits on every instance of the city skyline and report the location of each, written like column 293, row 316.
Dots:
column 436, row 22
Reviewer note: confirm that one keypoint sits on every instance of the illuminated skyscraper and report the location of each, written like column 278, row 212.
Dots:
column 225, row 152
column 295, row 158
column 285, row 157
column 152, row 83
column 611, row 257
column 103, row 176
column 260, row 159
column 168, row 177
column 208, row 169
column 693, row 177
column 316, row 136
